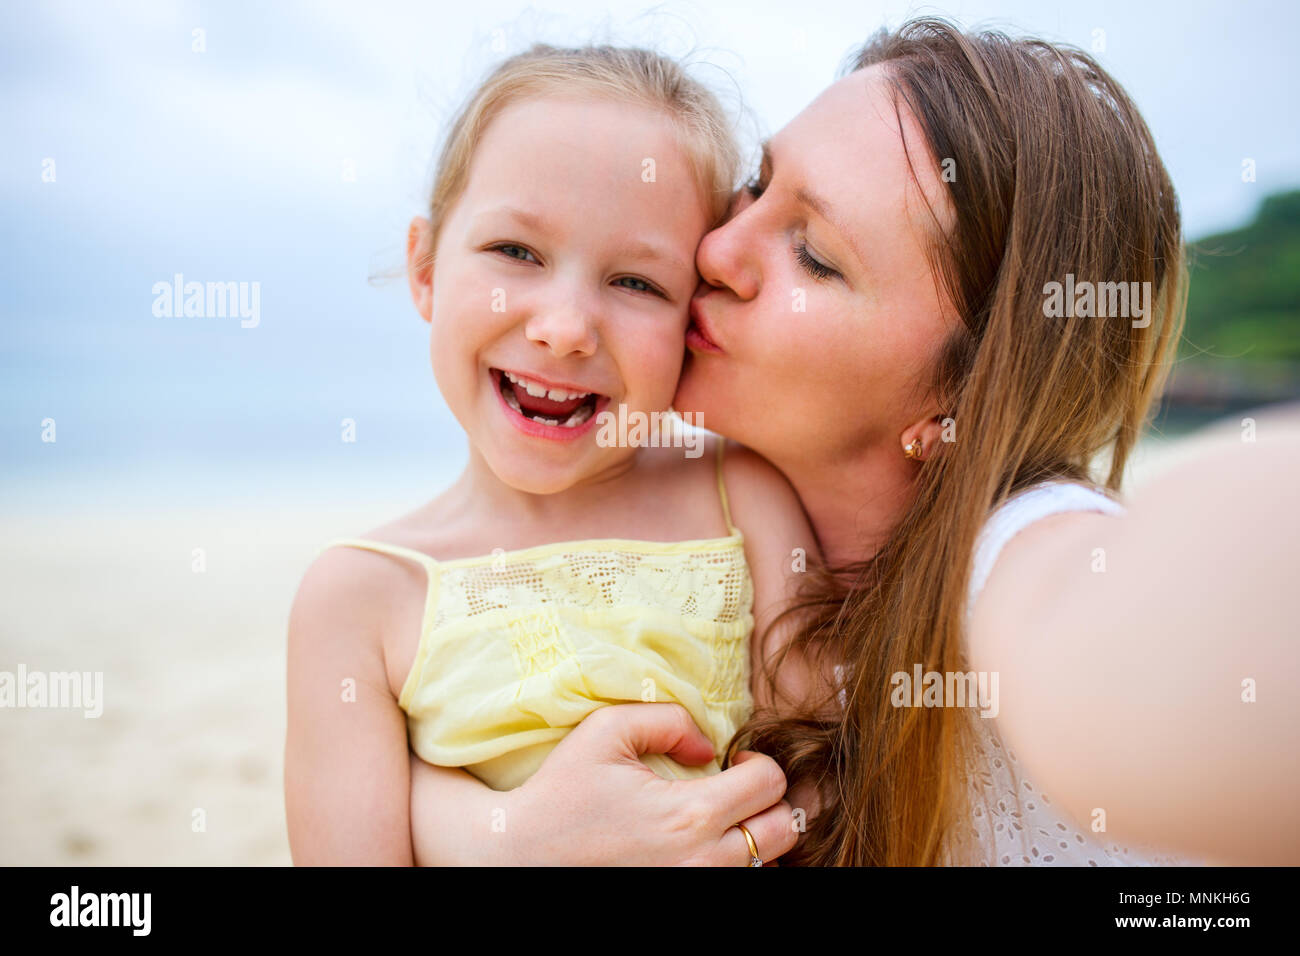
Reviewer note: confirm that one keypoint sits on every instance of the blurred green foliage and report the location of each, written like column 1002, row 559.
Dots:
column 1244, row 298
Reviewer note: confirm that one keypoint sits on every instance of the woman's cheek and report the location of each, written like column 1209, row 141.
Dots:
column 811, row 361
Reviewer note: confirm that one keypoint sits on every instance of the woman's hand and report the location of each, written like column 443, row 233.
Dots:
column 594, row 803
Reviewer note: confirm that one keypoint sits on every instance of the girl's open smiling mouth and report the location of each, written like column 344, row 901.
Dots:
column 546, row 410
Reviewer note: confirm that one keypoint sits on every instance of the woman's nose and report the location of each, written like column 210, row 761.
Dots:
column 726, row 256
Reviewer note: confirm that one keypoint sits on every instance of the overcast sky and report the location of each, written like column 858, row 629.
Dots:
column 231, row 163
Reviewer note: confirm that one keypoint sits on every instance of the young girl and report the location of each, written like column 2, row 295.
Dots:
column 569, row 567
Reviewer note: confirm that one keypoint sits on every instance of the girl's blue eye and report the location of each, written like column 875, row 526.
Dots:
column 640, row 285
column 514, row 252
column 813, row 266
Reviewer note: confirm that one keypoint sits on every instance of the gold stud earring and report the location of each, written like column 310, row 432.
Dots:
column 914, row 449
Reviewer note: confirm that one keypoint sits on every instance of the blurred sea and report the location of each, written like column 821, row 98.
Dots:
column 176, row 413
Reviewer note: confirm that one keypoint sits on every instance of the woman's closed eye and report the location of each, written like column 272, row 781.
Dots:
column 812, row 265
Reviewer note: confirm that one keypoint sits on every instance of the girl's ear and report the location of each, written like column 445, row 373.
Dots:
column 419, row 265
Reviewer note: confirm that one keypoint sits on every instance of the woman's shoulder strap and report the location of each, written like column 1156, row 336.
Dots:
column 1021, row 510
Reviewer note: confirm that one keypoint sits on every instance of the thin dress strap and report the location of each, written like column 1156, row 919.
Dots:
column 383, row 547
column 722, row 486
column 1018, row 512
column 397, row 551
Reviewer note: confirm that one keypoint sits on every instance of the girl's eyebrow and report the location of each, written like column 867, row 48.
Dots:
column 811, row 200
column 648, row 252
column 525, row 218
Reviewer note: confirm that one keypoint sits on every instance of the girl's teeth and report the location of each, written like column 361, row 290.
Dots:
column 577, row 418
column 573, row 421
column 541, row 391
column 580, row 414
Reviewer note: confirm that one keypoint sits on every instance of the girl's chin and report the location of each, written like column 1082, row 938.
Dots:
column 534, row 474
column 533, row 483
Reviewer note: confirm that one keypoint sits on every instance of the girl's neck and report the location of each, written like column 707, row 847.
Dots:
column 479, row 490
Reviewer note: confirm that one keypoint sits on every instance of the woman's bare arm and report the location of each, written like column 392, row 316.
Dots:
column 1161, row 691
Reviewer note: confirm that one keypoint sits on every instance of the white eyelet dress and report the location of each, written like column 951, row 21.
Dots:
column 1013, row 822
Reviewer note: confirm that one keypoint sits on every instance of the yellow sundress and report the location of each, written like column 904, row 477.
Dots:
column 517, row 647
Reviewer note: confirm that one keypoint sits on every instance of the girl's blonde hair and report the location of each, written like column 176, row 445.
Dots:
column 621, row 74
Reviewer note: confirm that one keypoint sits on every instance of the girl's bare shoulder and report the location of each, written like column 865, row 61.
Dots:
column 370, row 601
column 678, row 484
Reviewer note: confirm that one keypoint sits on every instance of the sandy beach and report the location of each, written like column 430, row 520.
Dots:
column 193, row 683
column 193, row 669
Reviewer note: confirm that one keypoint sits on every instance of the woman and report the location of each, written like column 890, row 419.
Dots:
column 938, row 414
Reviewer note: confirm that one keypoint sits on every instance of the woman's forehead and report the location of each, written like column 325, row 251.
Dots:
column 862, row 145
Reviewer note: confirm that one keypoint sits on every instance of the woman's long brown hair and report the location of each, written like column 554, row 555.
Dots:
column 1056, row 174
